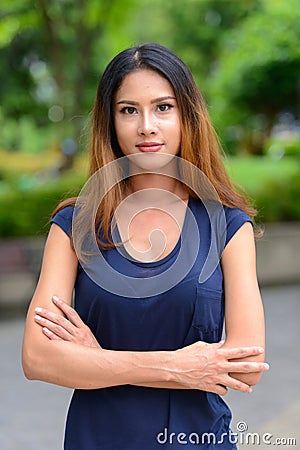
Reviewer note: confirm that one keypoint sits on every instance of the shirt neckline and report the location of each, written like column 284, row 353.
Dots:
column 161, row 261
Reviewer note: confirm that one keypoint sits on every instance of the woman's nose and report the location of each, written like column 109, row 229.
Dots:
column 147, row 126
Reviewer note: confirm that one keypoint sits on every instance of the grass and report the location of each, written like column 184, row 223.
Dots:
column 253, row 173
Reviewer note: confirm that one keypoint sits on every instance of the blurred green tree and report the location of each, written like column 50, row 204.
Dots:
column 20, row 42
column 193, row 28
column 51, row 53
column 244, row 56
column 198, row 29
column 258, row 74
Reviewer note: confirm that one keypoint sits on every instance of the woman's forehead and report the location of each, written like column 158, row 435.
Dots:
column 144, row 82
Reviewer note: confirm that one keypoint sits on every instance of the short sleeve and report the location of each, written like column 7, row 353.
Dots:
column 64, row 219
column 235, row 218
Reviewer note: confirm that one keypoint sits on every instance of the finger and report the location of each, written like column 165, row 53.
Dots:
column 241, row 352
column 55, row 318
column 221, row 389
column 50, row 335
column 215, row 388
column 237, row 385
column 54, row 328
column 247, row 367
column 70, row 312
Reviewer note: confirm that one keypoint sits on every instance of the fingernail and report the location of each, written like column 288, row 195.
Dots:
column 266, row 366
column 261, row 349
column 55, row 298
column 250, row 390
column 38, row 310
column 37, row 317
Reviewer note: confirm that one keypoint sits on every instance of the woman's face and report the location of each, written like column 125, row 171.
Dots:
column 146, row 115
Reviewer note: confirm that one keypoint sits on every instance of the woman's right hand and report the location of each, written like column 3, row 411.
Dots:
column 208, row 366
column 69, row 327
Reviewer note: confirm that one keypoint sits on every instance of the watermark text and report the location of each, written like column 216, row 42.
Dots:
column 241, row 436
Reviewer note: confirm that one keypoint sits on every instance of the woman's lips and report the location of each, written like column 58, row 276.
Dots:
column 149, row 146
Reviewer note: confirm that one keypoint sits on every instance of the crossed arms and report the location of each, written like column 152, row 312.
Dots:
column 59, row 348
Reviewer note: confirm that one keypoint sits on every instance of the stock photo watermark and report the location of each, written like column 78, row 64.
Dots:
column 120, row 170
column 240, row 436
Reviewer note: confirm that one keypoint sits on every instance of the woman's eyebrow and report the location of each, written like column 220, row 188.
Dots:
column 155, row 100
column 161, row 99
column 128, row 102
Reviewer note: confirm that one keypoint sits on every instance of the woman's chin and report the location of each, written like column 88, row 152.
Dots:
column 151, row 162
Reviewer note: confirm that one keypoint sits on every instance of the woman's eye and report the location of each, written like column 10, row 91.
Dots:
column 128, row 110
column 165, row 107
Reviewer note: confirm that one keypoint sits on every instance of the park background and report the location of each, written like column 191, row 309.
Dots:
column 245, row 57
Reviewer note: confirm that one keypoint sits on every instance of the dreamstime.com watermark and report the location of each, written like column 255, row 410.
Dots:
column 240, row 436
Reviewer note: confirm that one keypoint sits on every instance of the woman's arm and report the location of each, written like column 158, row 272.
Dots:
column 68, row 363
column 244, row 316
column 73, row 363
column 198, row 366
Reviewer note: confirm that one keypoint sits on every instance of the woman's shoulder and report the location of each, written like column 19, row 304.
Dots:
column 234, row 213
column 213, row 207
column 224, row 219
column 63, row 218
column 235, row 219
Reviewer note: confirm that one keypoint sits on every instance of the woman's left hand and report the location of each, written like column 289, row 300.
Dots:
column 69, row 328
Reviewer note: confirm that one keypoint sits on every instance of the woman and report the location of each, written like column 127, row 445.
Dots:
column 143, row 349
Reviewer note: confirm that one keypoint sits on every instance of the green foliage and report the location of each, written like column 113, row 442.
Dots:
column 52, row 53
column 255, row 172
column 279, row 201
column 192, row 28
column 29, row 137
column 274, row 185
column 244, row 55
column 25, row 210
column 282, row 145
column 30, row 188
column 257, row 76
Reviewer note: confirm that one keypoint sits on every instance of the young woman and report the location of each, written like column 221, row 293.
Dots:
column 159, row 247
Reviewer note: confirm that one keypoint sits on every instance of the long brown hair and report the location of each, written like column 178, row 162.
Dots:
column 199, row 146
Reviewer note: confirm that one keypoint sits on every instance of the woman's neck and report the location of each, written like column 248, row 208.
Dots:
column 163, row 178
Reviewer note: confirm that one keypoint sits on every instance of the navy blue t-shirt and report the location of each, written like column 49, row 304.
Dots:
column 148, row 317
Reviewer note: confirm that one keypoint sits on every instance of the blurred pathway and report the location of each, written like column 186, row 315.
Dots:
column 32, row 414
column 274, row 405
